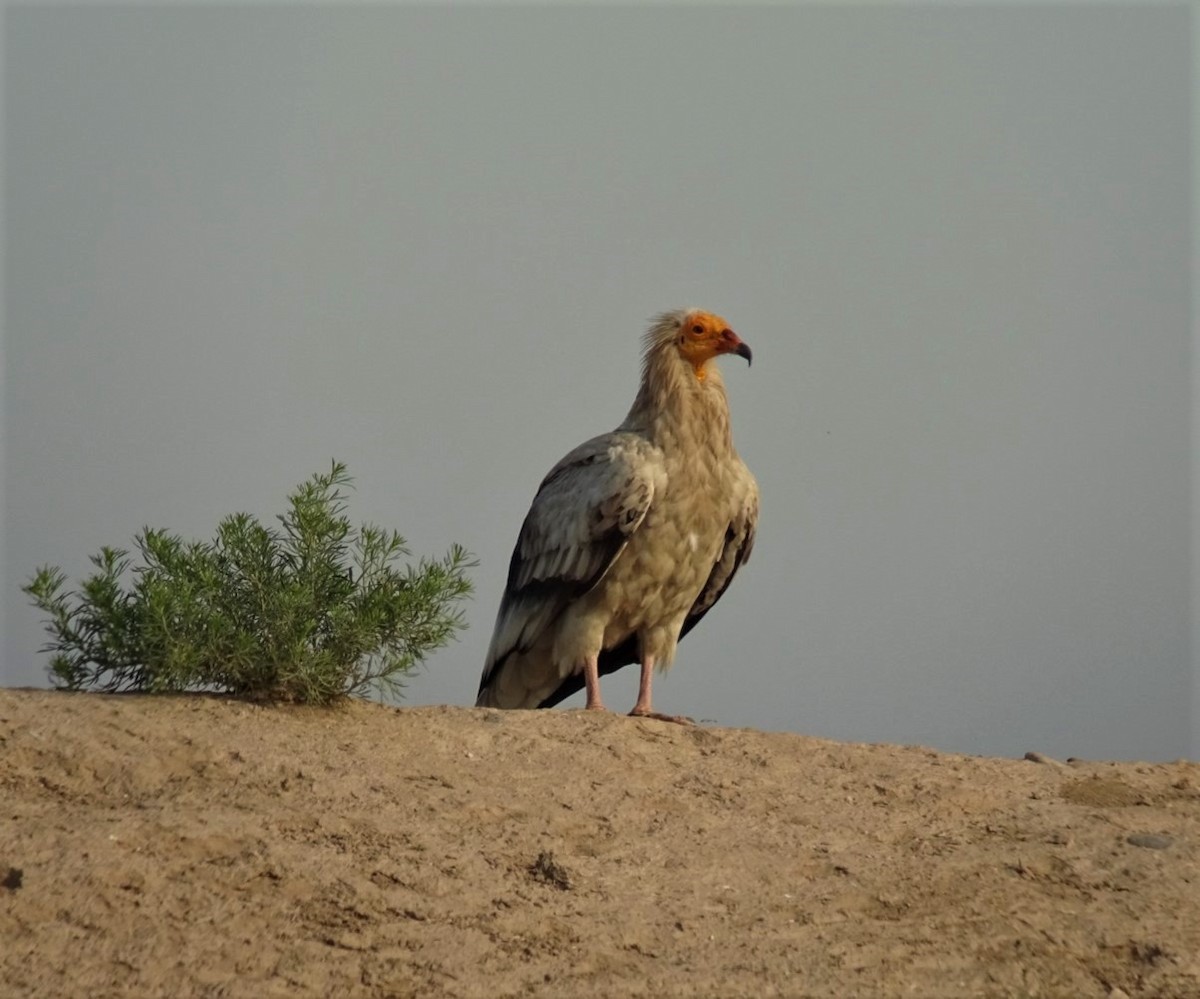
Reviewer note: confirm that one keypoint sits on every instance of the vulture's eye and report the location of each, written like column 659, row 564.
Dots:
column 697, row 330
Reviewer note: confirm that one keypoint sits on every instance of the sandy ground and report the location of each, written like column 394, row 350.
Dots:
column 198, row 846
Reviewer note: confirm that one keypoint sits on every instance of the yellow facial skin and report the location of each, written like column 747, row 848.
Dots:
column 703, row 336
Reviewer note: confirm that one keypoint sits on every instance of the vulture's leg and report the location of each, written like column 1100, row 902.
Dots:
column 643, row 709
column 643, row 702
column 591, row 680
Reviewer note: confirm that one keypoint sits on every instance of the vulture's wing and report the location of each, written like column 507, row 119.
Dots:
column 580, row 521
column 739, row 541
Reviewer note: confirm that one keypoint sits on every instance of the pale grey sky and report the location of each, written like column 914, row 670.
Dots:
column 425, row 240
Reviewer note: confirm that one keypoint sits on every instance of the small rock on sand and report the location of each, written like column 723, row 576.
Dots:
column 1151, row 841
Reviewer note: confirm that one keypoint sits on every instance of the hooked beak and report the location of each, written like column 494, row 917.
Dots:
column 731, row 343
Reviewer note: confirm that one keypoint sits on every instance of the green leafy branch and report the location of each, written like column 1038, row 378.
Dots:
column 310, row 611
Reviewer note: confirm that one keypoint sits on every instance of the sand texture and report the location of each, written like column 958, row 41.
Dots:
column 198, row 846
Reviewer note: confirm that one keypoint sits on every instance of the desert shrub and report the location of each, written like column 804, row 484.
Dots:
column 310, row 610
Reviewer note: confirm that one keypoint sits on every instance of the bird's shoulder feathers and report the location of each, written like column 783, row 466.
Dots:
column 585, row 510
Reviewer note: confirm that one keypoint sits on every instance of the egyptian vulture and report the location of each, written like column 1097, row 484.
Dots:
column 633, row 536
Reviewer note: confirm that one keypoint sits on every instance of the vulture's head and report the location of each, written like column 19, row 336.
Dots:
column 698, row 336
